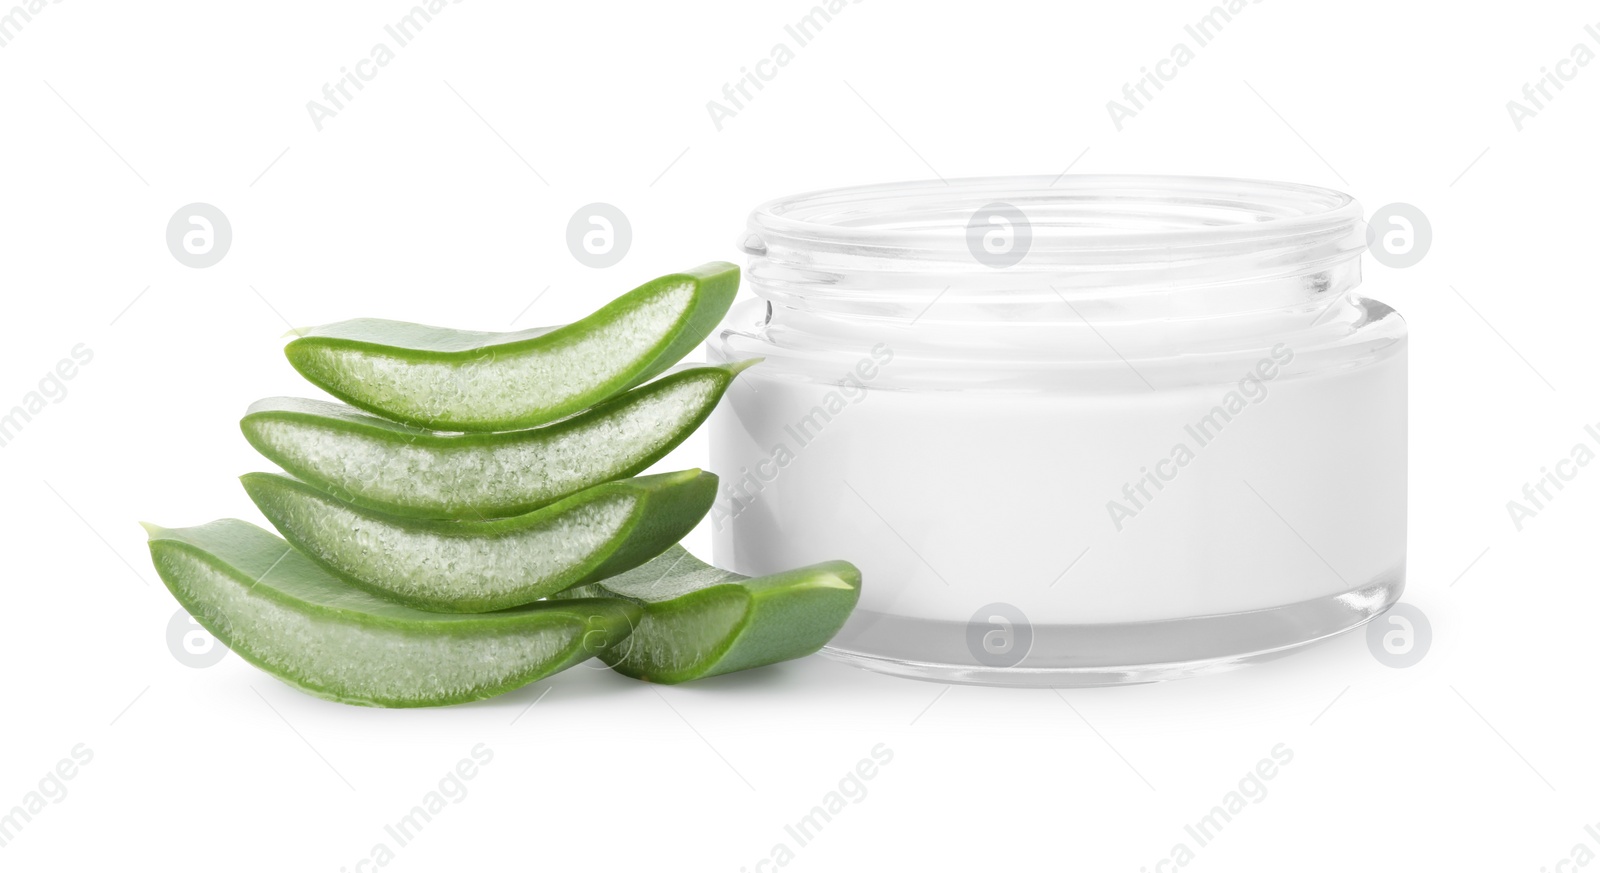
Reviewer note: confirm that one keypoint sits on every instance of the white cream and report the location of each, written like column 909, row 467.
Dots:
column 1223, row 453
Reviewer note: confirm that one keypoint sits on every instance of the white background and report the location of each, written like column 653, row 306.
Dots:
column 423, row 201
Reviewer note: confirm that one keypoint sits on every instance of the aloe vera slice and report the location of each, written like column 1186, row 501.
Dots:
column 700, row 621
column 283, row 613
column 402, row 470
column 473, row 381
column 479, row 566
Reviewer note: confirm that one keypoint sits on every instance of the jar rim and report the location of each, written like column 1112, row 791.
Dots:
column 1138, row 219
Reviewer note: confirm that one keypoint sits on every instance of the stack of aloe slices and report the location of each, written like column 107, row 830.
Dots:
column 474, row 519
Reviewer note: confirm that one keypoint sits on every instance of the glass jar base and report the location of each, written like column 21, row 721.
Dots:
column 1128, row 653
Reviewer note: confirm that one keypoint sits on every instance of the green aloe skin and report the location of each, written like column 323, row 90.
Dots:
column 473, row 381
column 404, row 470
column 474, row 520
column 699, row 621
column 479, row 566
column 286, row 615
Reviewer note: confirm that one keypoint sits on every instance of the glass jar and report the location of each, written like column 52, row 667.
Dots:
column 1074, row 431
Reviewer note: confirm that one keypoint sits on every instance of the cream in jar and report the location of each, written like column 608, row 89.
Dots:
column 1086, row 431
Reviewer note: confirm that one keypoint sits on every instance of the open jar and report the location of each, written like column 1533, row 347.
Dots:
column 1074, row 431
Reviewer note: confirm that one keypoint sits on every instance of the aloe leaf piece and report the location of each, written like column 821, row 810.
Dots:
column 474, row 381
column 700, row 621
column 402, row 470
column 286, row 615
column 479, row 566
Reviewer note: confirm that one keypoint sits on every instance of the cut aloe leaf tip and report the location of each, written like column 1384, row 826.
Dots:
column 479, row 566
column 404, row 470
column 700, row 621
column 474, row 381
column 281, row 612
